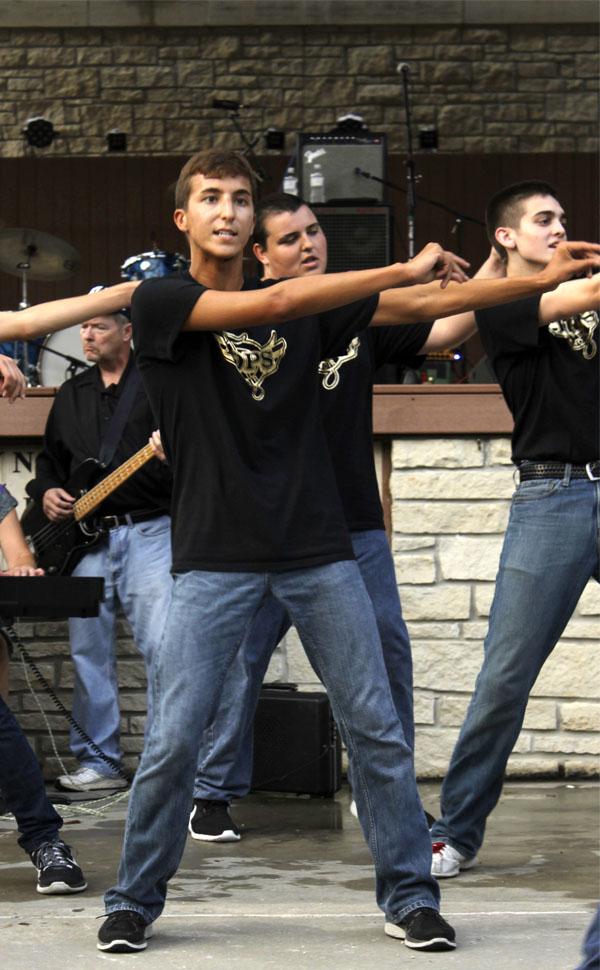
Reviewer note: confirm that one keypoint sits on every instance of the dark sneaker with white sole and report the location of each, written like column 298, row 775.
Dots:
column 57, row 869
column 124, row 931
column 423, row 929
column 210, row 821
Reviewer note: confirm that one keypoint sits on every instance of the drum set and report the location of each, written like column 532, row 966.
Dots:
column 34, row 255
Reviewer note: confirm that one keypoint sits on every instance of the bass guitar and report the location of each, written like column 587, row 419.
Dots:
column 58, row 546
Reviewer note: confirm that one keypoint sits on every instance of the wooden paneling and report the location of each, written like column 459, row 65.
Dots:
column 423, row 409
column 114, row 207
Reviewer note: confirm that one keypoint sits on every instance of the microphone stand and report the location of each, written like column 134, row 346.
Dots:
column 411, row 199
column 74, row 363
column 459, row 217
column 234, row 117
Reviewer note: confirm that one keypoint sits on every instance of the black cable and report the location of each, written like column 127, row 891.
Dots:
column 12, row 635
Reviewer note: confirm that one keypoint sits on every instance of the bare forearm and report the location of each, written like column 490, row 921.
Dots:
column 60, row 314
column 421, row 303
column 291, row 299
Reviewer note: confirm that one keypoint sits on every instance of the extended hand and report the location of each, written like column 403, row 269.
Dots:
column 435, row 263
column 572, row 259
column 22, row 571
column 57, row 504
column 12, row 381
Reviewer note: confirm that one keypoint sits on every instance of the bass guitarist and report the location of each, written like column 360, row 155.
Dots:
column 103, row 413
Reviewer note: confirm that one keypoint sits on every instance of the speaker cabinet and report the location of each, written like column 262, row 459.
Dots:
column 297, row 746
column 358, row 237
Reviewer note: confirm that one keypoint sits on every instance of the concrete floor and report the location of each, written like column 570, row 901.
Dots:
column 297, row 892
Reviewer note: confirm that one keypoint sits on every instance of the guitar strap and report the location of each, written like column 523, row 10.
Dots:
column 114, row 429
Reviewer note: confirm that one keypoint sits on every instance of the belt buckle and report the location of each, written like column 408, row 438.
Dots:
column 590, row 473
column 110, row 521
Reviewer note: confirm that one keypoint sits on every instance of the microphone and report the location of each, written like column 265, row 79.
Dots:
column 402, row 68
column 224, row 105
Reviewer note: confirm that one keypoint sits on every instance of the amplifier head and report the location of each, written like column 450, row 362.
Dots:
column 327, row 167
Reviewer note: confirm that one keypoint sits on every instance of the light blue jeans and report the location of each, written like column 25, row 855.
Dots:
column 209, row 617
column 225, row 760
column 135, row 561
column 550, row 552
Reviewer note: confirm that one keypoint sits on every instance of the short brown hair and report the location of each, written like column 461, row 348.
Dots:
column 214, row 163
column 506, row 207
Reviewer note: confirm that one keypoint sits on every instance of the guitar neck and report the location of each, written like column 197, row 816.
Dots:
column 89, row 502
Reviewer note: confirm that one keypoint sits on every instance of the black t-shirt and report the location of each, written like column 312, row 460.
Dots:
column 347, row 403
column 239, row 413
column 549, row 378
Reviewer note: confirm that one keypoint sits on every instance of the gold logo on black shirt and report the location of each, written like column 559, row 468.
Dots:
column 252, row 360
column 579, row 332
column 330, row 368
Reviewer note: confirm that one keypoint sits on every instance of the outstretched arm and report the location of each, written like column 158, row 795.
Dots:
column 451, row 331
column 570, row 298
column 290, row 299
column 420, row 303
column 19, row 558
column 44, row 318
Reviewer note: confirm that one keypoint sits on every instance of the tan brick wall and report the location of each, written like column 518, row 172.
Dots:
column 495, row 88
column 451, row 500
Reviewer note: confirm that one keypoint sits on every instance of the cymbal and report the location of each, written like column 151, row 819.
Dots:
column 45, row 257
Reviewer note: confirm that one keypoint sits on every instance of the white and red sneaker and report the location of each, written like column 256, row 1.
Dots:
column 447, row 862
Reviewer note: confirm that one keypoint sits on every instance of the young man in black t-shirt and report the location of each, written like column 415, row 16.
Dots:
column 290, row 243
column 256, row 510
column 544, row 352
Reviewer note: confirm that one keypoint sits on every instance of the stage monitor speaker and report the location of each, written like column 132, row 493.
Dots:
column 358, row 237
column 297, row 747
column 338, row 156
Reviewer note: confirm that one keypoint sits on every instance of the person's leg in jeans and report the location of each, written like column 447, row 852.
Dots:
column 332, row 612
column 225, row 759
column 22, row 785
column 143, row 583
column 96, row 691
column 374, row 558
column 208, row 617
column 549, row 553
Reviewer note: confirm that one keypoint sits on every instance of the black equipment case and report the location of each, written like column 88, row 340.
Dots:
column 297, row 746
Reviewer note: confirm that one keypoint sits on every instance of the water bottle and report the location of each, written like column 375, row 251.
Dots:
column 290, row 182
column 317, row 184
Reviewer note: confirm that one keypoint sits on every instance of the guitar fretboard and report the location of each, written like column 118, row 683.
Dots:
column 89, row 502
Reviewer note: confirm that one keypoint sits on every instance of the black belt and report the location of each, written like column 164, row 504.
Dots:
column 112, row 521
column 556, row 469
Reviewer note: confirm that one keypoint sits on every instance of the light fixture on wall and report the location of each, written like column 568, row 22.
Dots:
column 39, row 132
column 274, row 139
column 428, row 138
column 116, row 140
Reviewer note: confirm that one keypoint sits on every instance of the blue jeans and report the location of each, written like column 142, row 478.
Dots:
column 22, row 785
column 225, row 760
column 135, row 561
column 550, row 552
column 209, row 616
column 591, row 944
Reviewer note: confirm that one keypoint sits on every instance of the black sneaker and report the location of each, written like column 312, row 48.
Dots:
column 423, row 929
column 57, row 870
column 210, row 821
column 124, row 931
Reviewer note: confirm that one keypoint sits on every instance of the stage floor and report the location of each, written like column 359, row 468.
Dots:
column 297, row 891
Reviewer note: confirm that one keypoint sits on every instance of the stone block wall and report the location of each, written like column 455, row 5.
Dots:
column 450, row 508
column 488, row 88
